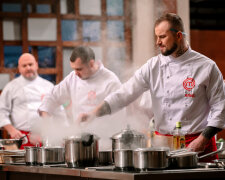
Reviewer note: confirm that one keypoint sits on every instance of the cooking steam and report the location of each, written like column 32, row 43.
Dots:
column 53, row 131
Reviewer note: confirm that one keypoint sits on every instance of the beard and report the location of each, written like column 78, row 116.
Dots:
column 31, row 77
column 170, row 51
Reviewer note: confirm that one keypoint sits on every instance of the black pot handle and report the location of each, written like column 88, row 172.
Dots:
column 87, row 139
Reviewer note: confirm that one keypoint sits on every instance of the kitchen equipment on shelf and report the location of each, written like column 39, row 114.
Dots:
column 151, row 158
column 31, row 155
column 128, row 139
column 82, row 150
column 123, row 159
column 12, row 156
column 105, row 158
column 50, row 155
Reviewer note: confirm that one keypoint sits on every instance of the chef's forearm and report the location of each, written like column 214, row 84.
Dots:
column 103, row 109
column 210, row 131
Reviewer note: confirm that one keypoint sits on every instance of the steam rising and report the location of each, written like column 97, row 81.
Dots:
column 53, row 131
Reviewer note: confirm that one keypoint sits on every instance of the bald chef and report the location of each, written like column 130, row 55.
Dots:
column 21, row 98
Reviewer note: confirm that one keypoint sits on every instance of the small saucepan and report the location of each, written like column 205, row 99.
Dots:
column 105, row 158
column 188, row 159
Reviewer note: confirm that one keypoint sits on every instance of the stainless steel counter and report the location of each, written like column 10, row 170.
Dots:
column 13, row 172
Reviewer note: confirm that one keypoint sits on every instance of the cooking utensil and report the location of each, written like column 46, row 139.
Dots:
column 10, row 144
column 82, row 150
column 50, row 155
column 189, row 159
column 151, row 158
column 128, row 139
column 13, row 144
column 31, row 155
column 14, row 159
column 123, row 159
column 220, row 163
column 105, row 158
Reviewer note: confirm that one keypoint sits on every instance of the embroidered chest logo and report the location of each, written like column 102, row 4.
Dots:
column 91, row 95
column 91, row 101
column 188, row 85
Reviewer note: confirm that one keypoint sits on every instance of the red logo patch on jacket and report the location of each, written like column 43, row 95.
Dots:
column 188, row 85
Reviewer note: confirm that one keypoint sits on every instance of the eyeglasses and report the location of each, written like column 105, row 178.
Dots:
column 175, row 30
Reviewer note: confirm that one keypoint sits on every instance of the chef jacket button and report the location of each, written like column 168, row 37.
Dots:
column 167, row 77
column 186, row 105
column 168, row 105
column 170, row 119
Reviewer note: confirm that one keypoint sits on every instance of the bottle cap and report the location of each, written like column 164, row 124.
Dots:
column 178, row 124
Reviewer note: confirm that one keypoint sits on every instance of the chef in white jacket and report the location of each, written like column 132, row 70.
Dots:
column 84, row 88
column 185, row 86
column 21, row 98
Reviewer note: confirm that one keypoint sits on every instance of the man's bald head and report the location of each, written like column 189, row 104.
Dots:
column 28, row 66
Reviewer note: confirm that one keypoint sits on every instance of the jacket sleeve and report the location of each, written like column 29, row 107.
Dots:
column 5, row 106
column 130, row 90
column 216, row 95
column 57, row 97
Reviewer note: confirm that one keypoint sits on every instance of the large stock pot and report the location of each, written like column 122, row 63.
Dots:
column 82, row 150
column 128, row 139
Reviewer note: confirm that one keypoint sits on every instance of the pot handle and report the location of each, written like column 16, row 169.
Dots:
column 87, row 140
column 214, row 152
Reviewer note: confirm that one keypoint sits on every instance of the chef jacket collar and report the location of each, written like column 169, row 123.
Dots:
column 28, row 81
column 171, row 59
column 101, row 66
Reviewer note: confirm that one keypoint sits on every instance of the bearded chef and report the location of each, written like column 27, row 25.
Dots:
column 184, row 85
column 21, row 98
column 84, row 88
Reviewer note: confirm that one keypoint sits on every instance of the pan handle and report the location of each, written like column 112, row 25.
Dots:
column 214, row 152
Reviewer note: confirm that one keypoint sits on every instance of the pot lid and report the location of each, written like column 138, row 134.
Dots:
column 126, row 133
column 82, row 136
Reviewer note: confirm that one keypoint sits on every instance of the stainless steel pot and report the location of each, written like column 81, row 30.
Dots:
column 128, row 139
column 189, row 159
column 50, row 155
column 123, row 159
column 105, row 158
column 30, row 155
column 151, row 158
column 82, row 150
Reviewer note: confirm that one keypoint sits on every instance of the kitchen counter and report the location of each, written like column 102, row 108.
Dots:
column 15, row 172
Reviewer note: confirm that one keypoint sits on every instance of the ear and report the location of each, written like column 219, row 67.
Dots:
column 91, row 63
column 179, row 35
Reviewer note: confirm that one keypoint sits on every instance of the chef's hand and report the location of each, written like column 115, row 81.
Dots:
column 13, row 132
column 85, row 117
column 35, row 139
column 43, row 114
column 198, row 145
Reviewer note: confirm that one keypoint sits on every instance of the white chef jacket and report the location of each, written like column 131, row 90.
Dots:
column 85, row 95
column 188, row 88
column 20, row 99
